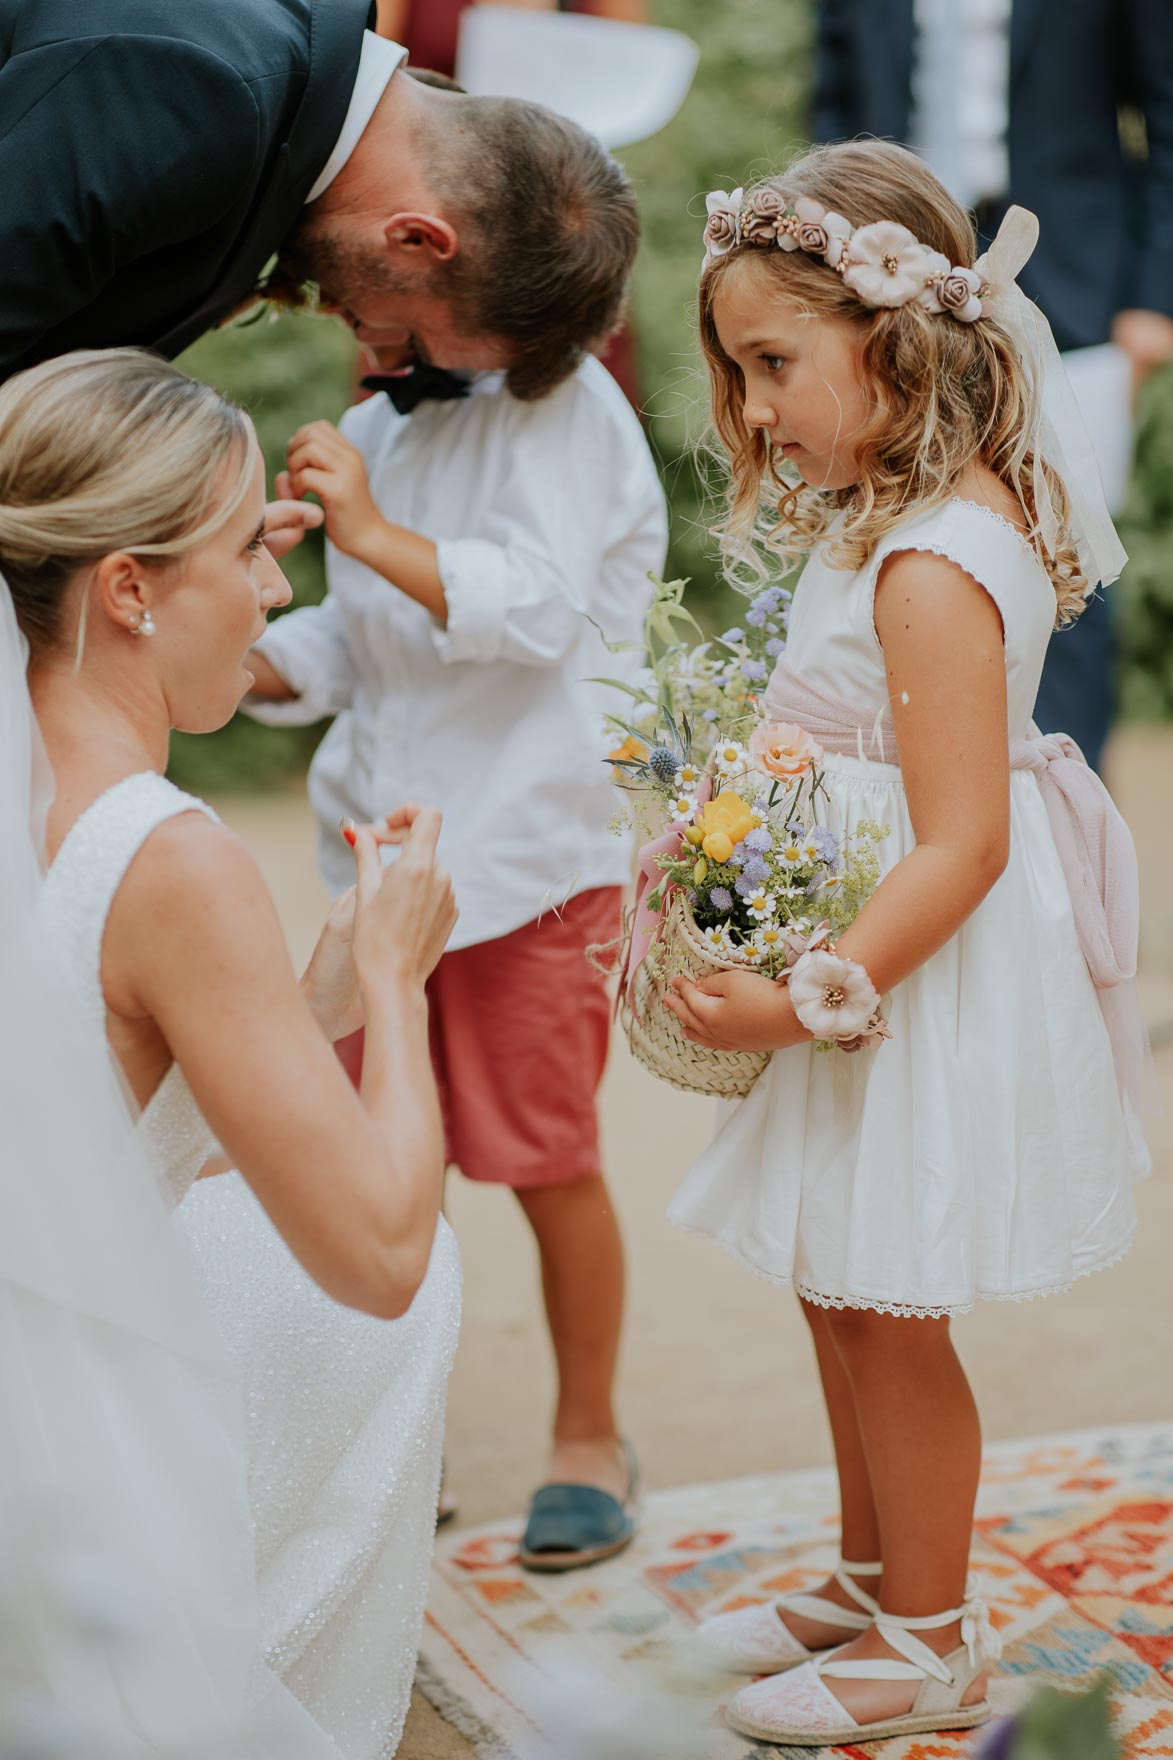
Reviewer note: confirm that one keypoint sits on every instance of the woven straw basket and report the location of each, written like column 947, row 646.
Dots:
column 653, row 1031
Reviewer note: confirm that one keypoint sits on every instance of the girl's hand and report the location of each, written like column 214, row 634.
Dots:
column 287, row 521
column 320, row 461
column 736, row 1011
column 403, row 914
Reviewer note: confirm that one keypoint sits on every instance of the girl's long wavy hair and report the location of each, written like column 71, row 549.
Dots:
column 946, row 394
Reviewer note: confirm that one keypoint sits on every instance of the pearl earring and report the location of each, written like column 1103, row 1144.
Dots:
column 145, row 625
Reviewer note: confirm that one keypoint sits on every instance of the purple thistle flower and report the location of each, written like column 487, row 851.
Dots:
column 721, row 898
column 755, row 617
column 775, row 646
column 733, row 636
column 756, row 671
column 663, row 764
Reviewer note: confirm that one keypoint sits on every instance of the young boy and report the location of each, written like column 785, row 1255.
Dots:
column 472, row 539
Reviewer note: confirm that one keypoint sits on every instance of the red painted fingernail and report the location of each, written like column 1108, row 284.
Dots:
column 346, row 826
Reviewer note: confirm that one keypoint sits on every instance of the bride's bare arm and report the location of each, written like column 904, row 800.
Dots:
column 352, row 1182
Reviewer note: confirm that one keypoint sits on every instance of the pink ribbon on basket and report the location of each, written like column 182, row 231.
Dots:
column 646, row 923
column 1094, row 844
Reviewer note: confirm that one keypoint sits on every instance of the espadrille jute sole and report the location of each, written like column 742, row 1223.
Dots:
column 965, row 1717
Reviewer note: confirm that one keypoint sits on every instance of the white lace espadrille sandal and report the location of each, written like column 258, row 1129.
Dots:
column 798, row 1710
column 753, row 1640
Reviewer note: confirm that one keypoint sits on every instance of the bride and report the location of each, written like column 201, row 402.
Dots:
column 150, row 1015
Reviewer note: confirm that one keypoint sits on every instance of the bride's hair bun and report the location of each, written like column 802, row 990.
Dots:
column 104, row 450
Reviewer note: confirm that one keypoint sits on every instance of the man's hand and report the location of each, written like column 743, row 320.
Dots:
column 736, row 1011
column 287, row 522
column 1147, row 340
column 321, row 462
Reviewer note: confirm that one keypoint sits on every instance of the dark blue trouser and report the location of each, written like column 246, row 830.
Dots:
column 1078, row 690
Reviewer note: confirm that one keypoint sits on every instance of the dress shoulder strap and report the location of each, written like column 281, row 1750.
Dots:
column 91, row 864
column 988, row 547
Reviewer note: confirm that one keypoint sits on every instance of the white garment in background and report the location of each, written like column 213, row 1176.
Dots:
column 344, row 1413
column 545, row 515
column 961, row 95
column 983, row 1150
column 378, row 60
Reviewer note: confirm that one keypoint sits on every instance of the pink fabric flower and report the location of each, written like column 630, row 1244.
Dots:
column 782, row 749
column 764, row 210
column 956, row 291
column 721, row 225
column 811, row 232
column 833, row 998
column 888, row 266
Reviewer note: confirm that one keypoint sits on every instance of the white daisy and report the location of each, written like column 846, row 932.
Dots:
column 688, row 779
column 810, row 851
column 730, row 758
column 750, row 954
column 769, row 938
column 720, row 940
column 792, row 852
column 761, row 904
column 682, row 809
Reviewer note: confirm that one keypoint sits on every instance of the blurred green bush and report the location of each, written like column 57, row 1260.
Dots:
column 744, row 116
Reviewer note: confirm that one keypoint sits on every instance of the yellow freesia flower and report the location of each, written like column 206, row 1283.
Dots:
column 725, row 821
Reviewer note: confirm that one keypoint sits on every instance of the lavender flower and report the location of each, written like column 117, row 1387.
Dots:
column 775, row 646
column 755, row 869
column 827, row 844
column 759, row 840
column 756, row 671
column 743, row 885
column 755, row 616
column 998, row 1743
column 709, row 715
column 768, row 600
column 733, row 636
column 721, row 898
column 690, row 895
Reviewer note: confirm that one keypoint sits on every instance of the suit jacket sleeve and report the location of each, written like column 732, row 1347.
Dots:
column 1153, row 78
column 833, row 111
column 106, row 156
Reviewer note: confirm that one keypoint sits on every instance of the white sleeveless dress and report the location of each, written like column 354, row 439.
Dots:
column 344, row 1413
column 984, row 1150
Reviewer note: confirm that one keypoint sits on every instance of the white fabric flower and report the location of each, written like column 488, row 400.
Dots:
column 761, row 904
column 888, row 266
column 838, row 232
column 833, row 998
column 730, row 758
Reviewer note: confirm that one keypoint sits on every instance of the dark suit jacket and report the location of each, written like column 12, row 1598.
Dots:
column 1106, row 224
column 153, row 155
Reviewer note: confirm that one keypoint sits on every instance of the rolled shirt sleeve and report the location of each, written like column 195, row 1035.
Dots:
column 310, row 650
column 519, row 591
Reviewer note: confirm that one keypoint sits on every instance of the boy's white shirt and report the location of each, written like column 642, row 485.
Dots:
column 541, row 512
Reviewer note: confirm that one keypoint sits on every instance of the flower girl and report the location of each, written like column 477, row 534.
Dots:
column 901, row 403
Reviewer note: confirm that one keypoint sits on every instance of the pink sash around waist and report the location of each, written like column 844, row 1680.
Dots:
column 1094, row 844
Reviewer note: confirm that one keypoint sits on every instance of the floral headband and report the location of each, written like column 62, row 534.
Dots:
column 883, row 264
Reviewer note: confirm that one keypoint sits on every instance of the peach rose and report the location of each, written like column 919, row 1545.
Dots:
column 779, row 748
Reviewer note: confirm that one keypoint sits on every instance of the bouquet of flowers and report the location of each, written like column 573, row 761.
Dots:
column 736, row 871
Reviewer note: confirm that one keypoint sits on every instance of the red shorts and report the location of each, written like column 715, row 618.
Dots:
column 519, row 1032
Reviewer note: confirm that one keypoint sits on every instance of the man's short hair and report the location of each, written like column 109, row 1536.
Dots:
column 548, row 231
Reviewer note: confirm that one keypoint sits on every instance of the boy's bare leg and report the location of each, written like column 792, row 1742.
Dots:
column 583, row 1280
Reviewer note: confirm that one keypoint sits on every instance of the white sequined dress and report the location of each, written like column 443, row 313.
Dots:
column 345, row 1413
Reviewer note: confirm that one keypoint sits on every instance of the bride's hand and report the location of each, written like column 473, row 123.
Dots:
column 403, row 914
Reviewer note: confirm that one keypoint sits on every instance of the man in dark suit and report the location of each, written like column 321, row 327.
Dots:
column 157, row 155
column 1019, row 101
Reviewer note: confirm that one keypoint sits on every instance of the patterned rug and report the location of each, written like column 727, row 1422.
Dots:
column 1074, row 1545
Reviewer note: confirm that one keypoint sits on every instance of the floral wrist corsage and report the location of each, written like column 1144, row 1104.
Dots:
column 835, row 999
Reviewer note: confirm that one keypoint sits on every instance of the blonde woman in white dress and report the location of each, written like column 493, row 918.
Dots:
column 153, row 1014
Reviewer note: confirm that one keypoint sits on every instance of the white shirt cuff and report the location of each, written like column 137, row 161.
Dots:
column 314, row 700
column 473, row 576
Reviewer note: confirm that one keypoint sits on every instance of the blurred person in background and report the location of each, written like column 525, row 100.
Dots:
column 1018, row 101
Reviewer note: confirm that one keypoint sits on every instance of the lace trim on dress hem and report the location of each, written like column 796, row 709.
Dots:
column 906, row 1310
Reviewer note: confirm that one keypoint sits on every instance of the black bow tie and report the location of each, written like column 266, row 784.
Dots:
column 407, row 389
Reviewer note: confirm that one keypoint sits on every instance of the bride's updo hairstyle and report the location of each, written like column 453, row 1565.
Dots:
column 105, row 450
column 946, row 394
